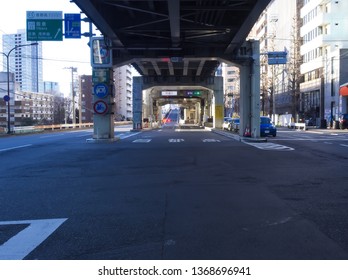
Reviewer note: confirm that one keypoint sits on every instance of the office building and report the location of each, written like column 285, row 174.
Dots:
column 325, row 53
column 277, row 30
column 231, row 89
column 51, row 87
column 24, row 61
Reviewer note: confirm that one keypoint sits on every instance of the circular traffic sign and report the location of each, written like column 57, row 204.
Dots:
column 100, row 107
column 101, row 90
column 6, row 98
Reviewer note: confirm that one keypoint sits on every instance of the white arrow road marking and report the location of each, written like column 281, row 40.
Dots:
column 20, row 245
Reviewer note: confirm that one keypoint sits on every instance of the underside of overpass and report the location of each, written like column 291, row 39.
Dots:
column 178, row 43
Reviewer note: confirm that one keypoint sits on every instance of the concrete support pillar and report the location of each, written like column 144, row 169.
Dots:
column 245, row 99
column 147, row 106
column 218, row 102
column 186, row 114
column 198, row 115
column 137, row 102
column 104, row 106
column 250, row 93
column 255, row 90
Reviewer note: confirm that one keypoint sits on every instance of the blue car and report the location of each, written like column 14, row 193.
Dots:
column 267, row 127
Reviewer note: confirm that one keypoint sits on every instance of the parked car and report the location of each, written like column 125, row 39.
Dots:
column 235, row 125
column 227, row 123
column 343, row 119
column 310, row 122
column 267, row 127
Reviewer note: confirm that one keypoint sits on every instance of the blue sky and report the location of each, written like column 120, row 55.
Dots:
column 56, row 55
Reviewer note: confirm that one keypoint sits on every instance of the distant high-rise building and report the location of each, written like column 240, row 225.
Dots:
column 123, row 79
column 51, row 87
column 231, row 89
column 86, row 100
column 24, row 61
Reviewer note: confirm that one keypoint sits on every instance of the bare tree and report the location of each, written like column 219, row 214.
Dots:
column 295, row 60
column 58, row 110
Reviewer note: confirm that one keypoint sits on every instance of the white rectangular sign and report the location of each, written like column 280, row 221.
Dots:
column 170, row 93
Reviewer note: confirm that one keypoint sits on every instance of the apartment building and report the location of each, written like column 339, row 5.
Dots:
column 277, row 30
column 34, row 106
column 325, row 54
column 86, row 89
column 123, row 81
column 231, row 89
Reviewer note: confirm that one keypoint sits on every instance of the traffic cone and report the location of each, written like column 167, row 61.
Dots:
column 247, row 132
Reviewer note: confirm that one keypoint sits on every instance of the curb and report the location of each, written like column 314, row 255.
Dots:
column 106, row 140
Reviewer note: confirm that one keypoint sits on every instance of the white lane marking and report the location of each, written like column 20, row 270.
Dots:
column 20, row 245
column 344, row 145
column 52, row 135
column 17, row 147
column 122, row 136
column 84, row 135
column 210, row 140
column 270, row 146
column 175, row 140
column 77, row 131
column 142, row 140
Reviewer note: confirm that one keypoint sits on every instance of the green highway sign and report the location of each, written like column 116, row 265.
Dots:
column 101, row 75
column 44, row 26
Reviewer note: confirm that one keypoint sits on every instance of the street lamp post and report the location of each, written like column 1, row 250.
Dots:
column 8, row 82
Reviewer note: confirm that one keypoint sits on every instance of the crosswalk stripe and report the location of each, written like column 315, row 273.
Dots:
column 211, row 140
column 175, row 140
column 142, row 141
column 270, row 146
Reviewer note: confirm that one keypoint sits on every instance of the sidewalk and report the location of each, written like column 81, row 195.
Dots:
column 316, row 130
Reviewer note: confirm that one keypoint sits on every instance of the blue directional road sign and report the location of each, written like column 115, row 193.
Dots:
column 6, row 98
column 277, row 58
column 101, row 90
column 72, row 26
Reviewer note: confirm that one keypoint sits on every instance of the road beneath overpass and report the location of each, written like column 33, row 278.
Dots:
column 175, row 43
column 168, row 194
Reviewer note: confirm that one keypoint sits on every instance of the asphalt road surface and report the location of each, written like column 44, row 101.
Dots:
column 174, row 194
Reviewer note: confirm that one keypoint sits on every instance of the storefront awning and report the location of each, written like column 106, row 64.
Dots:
column 344, row 89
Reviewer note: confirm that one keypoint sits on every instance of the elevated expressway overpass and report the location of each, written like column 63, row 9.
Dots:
column 177, row 45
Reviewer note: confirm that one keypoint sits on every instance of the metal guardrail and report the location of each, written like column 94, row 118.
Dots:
column 52, row 127
column 63, row 126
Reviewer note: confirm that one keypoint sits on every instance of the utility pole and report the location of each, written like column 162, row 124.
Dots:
column 73, row 70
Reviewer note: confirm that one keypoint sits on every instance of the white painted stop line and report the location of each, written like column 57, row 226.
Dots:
column 20, row 245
